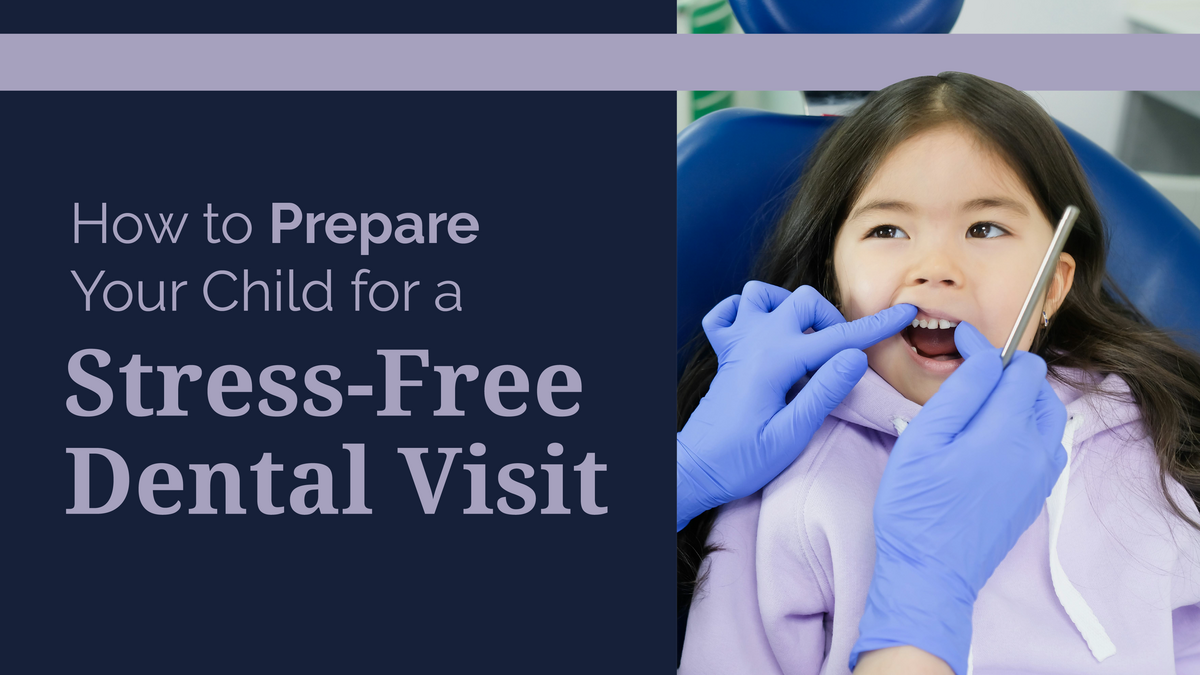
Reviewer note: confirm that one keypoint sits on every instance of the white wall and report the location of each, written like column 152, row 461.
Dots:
column 1042, row 16
column 1095, row 114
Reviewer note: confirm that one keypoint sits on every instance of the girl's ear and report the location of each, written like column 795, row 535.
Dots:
column 1064, row 276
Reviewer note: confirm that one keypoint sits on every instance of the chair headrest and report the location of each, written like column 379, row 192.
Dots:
column 846, row 16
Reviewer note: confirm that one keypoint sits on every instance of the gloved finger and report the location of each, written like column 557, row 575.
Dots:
column 721, row 316
column 1018, row 387
column 761, row 297
column 1049, row 413
column 816, row 348
column 794, row 426
column 1050, row 416
column 810, row 309
column 959, row 399
column 969, row 341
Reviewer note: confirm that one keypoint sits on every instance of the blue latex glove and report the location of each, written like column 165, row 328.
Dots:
column 963, row 482
column 744, row 432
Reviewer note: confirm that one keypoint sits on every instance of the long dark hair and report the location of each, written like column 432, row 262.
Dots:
column 1095, row 330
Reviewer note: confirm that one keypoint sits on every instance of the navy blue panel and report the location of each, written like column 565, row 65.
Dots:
column 572, row 265
column 345, row 16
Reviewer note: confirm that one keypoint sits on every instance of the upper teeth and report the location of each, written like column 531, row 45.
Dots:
column 933, row 323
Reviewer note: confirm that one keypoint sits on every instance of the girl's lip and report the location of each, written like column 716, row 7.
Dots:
column 926, row 314
column 931, row 365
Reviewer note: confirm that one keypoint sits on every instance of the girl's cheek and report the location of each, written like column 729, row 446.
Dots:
column 1030, row 331
column 867, row 282
column 863, row 296
column 1003, row 308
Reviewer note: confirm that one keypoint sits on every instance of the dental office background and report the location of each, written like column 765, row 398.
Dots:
column 1155, row 133
column 1006, row 16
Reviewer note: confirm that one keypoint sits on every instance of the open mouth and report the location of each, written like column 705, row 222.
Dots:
column 935, row 343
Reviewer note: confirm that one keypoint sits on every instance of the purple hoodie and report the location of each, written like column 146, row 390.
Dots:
column 1106, row 580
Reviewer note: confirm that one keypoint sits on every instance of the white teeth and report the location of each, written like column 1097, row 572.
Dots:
column 914, row 350
column 933, row 323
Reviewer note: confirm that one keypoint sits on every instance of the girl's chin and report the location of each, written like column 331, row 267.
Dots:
column 916, row 377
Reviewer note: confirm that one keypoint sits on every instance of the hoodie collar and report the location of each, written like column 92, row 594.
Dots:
column 1098, row 403
column 875, row 404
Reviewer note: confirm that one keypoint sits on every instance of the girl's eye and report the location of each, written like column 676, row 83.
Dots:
column 985, row 231
column 887, row 232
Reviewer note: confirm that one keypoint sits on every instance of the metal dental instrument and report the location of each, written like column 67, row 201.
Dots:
column 1041, row 283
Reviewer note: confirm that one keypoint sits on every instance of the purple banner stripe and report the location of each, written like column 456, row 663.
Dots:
column 589, row 62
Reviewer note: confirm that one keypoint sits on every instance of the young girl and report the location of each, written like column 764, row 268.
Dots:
column 942, row 192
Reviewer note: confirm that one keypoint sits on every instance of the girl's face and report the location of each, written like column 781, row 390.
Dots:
column 944, row 224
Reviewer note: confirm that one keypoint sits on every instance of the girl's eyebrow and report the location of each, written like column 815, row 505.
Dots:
column 996, row 203
column 883, row 205
column 977, row 204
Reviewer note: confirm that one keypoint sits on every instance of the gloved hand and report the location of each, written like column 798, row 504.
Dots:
column 744, row 433
column 966, row 478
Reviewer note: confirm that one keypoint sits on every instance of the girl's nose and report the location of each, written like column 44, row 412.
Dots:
column 937, row 266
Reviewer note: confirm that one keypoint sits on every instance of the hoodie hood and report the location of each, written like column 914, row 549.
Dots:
column 875, row 404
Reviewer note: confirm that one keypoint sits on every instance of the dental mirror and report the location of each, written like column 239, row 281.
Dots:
column 1041, row 283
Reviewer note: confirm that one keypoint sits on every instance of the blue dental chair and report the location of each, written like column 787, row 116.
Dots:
column 734, row 169
column 846, row 16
